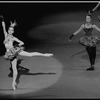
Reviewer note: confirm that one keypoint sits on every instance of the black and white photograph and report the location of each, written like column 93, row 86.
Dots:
column 49, row 49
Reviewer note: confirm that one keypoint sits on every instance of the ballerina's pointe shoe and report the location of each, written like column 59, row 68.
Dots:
column 48, row 55
column 14, row 85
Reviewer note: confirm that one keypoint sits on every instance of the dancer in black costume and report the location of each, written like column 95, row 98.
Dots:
column 89, row 41
column 13, row 50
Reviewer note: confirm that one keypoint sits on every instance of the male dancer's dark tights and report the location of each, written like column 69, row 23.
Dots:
column 92, row 54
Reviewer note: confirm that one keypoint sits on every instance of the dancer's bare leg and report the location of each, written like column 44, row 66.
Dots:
column 30, row 54
column 14, row 67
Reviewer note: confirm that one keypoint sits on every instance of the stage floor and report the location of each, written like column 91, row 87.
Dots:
column 62, row 76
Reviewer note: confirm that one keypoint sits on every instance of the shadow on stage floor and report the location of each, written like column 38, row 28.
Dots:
column 24, row 71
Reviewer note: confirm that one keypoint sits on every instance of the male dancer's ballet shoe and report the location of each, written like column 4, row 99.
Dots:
column 91, row 68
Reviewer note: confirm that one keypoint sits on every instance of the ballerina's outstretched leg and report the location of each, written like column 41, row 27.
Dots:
column 30, row 54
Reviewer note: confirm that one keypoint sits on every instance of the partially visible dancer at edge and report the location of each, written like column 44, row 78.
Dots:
column 89, row 41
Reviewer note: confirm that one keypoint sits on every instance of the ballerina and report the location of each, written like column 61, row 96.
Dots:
column 89, row 41
column 12, row 51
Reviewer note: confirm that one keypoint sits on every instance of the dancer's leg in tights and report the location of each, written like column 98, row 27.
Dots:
column 30, row 54
column 14, row 64
column 92, row 55
column 14, row 68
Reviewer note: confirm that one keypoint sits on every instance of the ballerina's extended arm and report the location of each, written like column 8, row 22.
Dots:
column 76, row 32
column 3, row 25
column 96, row 27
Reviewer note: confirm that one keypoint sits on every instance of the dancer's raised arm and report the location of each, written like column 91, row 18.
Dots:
column 96, row 6
column 4, row 26
column 94, row 9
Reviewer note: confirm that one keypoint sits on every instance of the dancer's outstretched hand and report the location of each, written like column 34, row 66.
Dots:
column 48, row 55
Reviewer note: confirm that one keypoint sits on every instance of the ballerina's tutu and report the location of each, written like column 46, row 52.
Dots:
column 13, row 52
column 89, row 40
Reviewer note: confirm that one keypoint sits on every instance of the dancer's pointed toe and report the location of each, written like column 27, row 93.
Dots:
column 14, row 86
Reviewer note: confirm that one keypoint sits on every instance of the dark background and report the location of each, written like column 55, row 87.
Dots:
column 30, row 16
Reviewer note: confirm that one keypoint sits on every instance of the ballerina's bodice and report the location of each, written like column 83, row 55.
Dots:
column 88, row 31
column 8, row 42
column 88, row 39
